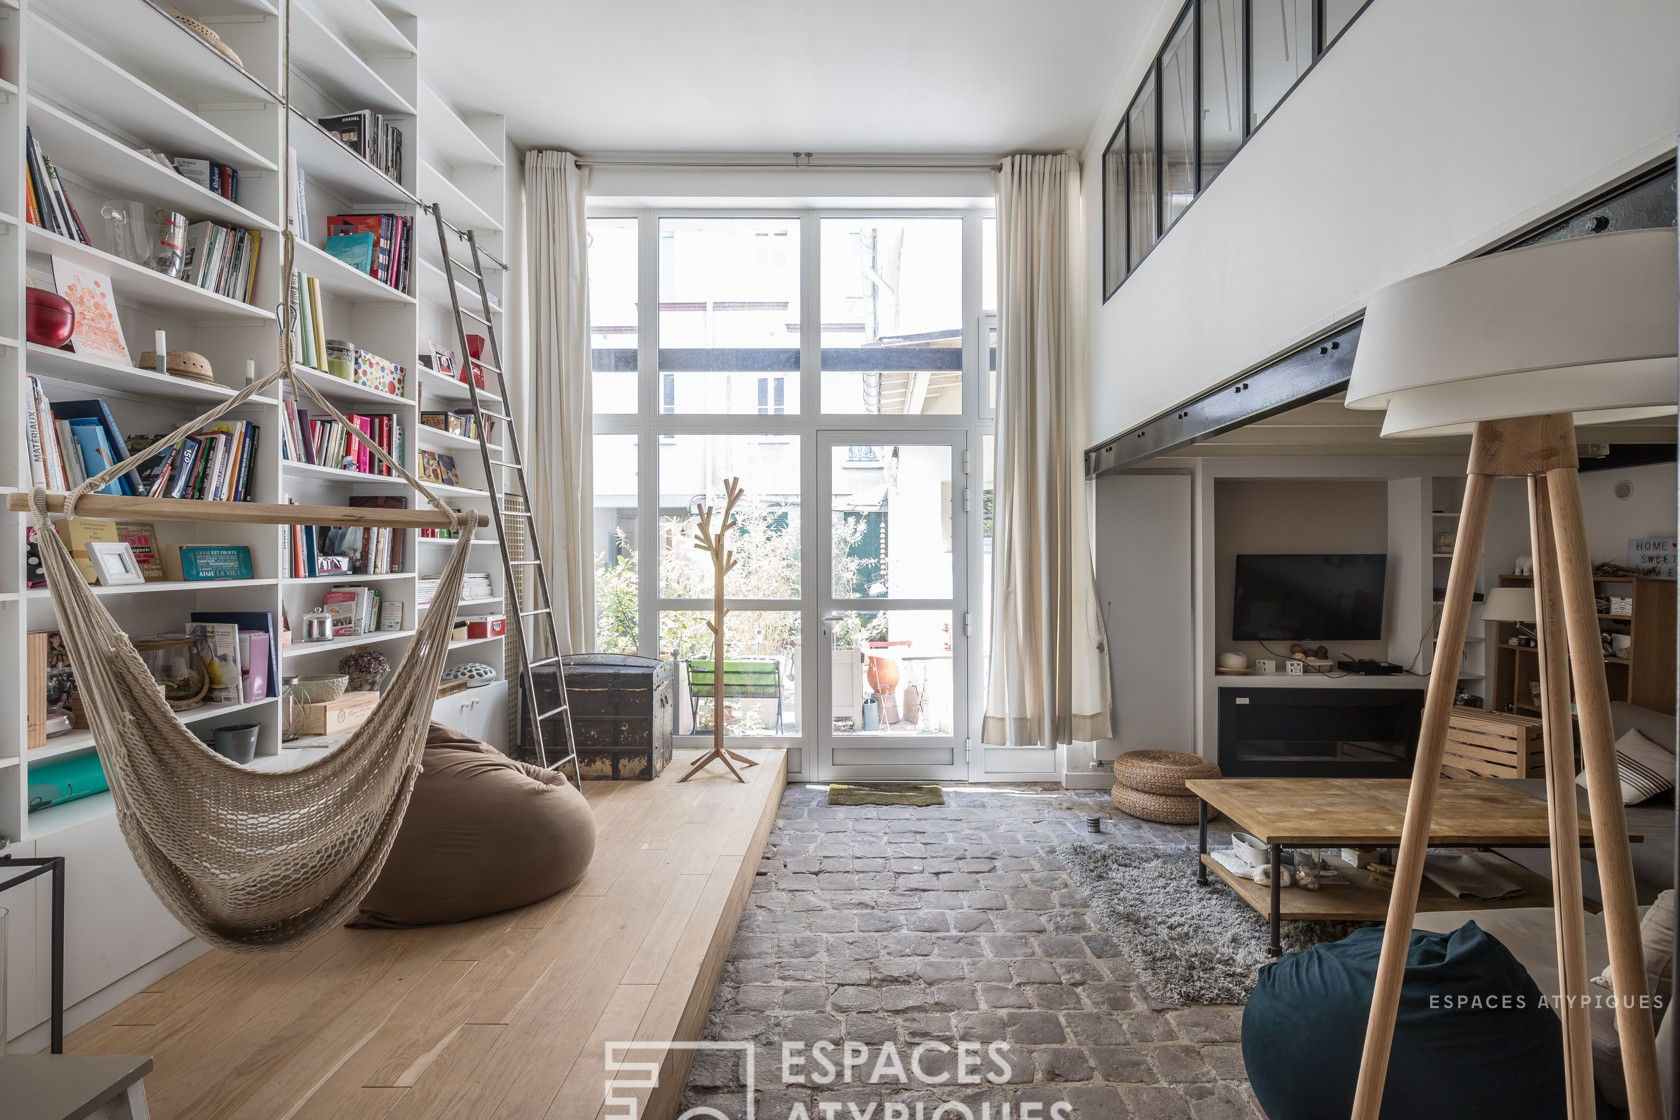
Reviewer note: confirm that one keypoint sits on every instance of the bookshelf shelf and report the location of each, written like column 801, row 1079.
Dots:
column 46, row 823
column 64, row 368
column 338, row 474
column 340, row 279
column 158, row 48
column 433, row 383
column 342, row 392
column 468, row 643
column 458, row 491
column 437, row 437
column 80, row 742
column 142, row 285
column 338, row 70
column 165, row 586
column 437, row 288
column 435, row 186
column 476, row 541
column 307, row 649
column 77, row 77
column 330, row 164
column 451, row 137
column 466, row 604
column 329, row 581
column 84, row 153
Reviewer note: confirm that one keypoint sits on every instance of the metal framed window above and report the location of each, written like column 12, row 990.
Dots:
column 1224, row 69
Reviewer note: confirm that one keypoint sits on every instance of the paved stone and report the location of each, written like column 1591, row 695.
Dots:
column 878, row 925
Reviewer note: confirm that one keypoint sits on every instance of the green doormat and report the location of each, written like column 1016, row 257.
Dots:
column 844, row 793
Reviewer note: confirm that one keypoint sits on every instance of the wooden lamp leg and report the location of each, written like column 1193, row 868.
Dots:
column 1560, row 802
column 1609, row 822
column 1420, row 802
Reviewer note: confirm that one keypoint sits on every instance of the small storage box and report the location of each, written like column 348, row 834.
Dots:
column 487, row 626
column 344, row 714
column 621, row 713
column 1493, row 745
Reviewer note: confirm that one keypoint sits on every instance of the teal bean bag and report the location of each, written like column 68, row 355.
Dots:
column 1474, row 1038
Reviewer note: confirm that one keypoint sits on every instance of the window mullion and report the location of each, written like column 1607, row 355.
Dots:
column 810, row 314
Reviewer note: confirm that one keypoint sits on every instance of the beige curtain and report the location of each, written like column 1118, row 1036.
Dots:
column 1048, row 681
column 556, row 434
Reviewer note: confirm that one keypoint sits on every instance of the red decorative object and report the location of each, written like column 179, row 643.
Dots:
column 475, row 345
column 49, row 318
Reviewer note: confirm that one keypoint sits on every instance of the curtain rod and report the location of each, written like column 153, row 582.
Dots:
column 802, row 161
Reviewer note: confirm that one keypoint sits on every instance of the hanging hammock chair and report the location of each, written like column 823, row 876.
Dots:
column 249, row 860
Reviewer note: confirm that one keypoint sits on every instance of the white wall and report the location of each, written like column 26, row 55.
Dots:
column 1433, row 128
column 1648, row 511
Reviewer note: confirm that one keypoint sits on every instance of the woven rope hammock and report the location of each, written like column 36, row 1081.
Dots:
column 250, row 860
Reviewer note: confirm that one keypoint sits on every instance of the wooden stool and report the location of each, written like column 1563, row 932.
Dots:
column 73, row 1086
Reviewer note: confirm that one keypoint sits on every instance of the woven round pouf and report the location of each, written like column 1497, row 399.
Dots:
column 1163, row 772
column 1158, row 807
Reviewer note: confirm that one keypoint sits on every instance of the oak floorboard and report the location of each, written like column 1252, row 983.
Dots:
column 503, row 1016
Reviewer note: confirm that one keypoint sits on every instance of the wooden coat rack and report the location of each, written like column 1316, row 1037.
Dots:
column 723, row 562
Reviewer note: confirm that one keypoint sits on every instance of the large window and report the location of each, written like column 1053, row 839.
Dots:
column 769, row 329
column 1224, row 69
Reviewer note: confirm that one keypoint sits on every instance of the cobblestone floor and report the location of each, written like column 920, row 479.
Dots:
column 884, row 924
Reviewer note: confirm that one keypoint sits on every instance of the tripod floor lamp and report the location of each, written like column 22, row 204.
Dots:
column 1517, row 348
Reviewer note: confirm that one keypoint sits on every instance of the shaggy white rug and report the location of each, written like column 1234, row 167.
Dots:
column 1188, row 944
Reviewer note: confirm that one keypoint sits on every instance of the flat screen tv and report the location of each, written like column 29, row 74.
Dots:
column 1309, row 597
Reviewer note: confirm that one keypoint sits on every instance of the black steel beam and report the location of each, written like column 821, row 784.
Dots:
column 1321, row 368
column 1311, row 373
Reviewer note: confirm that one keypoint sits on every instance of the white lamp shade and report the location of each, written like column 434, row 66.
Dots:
column 1585, row 326
column 1510, row 604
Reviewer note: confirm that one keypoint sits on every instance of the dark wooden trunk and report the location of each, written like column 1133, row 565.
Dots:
column 621, row 713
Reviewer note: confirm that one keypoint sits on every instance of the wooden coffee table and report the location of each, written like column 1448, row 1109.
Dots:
column 1367, row 812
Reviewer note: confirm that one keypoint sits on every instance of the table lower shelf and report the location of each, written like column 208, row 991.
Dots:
column 1364, row 899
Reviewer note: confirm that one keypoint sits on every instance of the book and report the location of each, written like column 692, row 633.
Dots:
column 35, row 686
column 100, row 412
column 354, row 249
column 249, row 620
column 95, row 450
column 253, row 662
column 218, row 644
column 342, row 604
column 98, row 332
column 142, row 538
column 316, row 322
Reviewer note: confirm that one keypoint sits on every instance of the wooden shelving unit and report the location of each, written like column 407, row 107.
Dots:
column 1644, row 677
column 97, row 81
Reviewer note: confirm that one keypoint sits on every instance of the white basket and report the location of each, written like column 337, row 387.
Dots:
column 1621, row 605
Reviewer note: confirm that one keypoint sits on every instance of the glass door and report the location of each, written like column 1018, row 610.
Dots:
column 892, row 675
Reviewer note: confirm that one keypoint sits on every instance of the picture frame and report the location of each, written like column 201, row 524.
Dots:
column 443, row 361
column 114, row 563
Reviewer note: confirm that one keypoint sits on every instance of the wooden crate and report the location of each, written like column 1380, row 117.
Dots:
column 1493, row 745
column 622, row 713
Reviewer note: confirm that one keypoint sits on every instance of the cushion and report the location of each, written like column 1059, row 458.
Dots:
column 1656, row 937
column 1645, row 768
column 1473, row 1038
column 1659, row 727
column 482, row 834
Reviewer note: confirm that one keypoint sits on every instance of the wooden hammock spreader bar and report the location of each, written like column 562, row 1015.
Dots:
column 246, row 513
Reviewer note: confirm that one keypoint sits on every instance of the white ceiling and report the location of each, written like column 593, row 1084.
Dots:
column 867, row 76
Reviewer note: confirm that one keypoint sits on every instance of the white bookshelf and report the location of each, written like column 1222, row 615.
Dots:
column 97, row 80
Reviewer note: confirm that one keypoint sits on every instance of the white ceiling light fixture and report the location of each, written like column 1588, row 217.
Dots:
column 1563, row 326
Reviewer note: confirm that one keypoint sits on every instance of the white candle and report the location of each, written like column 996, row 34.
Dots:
column 250, row 371
column 160, row 347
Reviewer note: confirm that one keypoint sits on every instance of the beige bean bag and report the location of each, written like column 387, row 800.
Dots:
column 483, row 834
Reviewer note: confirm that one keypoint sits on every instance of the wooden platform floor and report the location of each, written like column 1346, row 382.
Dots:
column 504, row 1018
